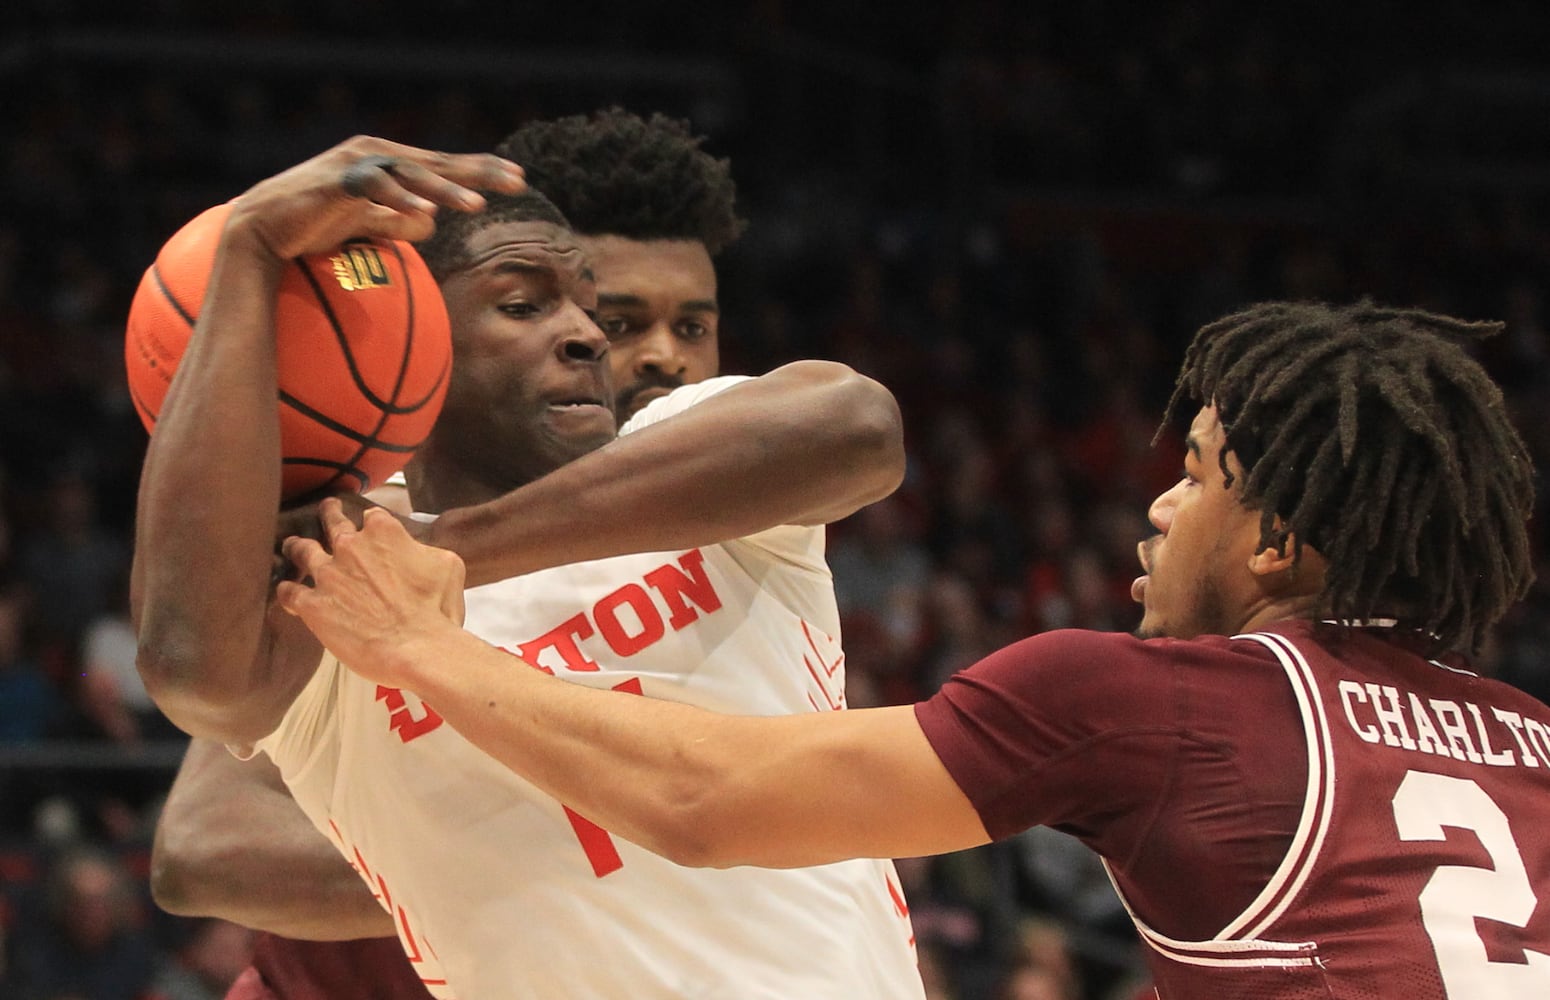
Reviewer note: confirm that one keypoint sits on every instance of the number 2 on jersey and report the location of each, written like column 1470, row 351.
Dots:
column 1457, row 894
column 595, row 841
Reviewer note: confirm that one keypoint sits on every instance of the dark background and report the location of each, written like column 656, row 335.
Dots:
column 1013, row 214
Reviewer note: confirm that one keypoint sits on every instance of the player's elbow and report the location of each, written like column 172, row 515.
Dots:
column 182, row 882
column 876, row 446
column 173, row 660
column 868, row 415
column 201, row 701
column 857, row 428
column 172, row 889
column 170, row 670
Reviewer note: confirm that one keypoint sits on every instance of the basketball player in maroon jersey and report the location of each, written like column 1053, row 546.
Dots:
column 1299, row 786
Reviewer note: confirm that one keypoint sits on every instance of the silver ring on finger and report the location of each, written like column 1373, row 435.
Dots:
column 359, row 175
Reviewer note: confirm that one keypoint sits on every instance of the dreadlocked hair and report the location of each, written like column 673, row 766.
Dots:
column 617, row 174
column 446, row 249
column 1377, row 440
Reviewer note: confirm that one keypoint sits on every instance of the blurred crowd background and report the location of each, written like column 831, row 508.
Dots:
column 1012, row 214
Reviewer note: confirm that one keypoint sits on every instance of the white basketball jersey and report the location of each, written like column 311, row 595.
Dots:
column 500, row 891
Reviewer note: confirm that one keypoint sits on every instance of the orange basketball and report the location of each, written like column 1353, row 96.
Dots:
column 363, row 343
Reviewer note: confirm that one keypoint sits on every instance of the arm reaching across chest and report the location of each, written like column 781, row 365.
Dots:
column 700, row 788
column 808, row 443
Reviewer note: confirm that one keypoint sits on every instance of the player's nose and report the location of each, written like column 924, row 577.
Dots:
column 659, row 350
column 1161, row 511
column 581, row 339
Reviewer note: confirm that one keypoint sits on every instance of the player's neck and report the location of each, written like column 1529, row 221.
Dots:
column 436, row 487
column 1301, row 606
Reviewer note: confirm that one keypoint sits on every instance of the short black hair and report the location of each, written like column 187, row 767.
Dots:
column 1379, row 441
column 614, row 173
column 446, row 250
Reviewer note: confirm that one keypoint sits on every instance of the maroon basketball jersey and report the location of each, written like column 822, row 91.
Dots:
column 286, row 969
column 1416, row 863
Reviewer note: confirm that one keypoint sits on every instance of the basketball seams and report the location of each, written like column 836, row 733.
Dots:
column 328, row 486
column 403, row 358
column 408, row 351
column 386, row 408
column 141, row 405
column 339, row 434
column 339, row 335
column 344, row 430
column 172, row 300
column 388, row 405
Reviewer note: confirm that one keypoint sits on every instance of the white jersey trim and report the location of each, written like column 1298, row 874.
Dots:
column 1318, row 802
column 1238, row 944
column 1219, row 953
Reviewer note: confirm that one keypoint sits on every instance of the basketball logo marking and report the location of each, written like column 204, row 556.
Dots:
column 360, row 267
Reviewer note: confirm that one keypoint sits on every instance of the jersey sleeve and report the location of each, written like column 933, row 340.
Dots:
column 1071, row 729
column 306, row 743
column 800, row 546
column 679, row 400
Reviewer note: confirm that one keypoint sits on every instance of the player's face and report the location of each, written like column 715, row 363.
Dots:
column 1198, row 580
column 657, row 304
column 530, row 388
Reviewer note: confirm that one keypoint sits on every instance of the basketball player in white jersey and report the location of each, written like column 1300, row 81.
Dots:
column 496, row 890
column 652, row 209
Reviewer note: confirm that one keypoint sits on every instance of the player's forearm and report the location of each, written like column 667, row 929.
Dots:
column 806, row 444
column 642, row 776
column 697, row 787
column 700, row 788
column 208, row 495
column 316, row 897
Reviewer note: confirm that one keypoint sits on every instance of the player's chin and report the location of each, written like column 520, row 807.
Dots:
column 574, row 431
column 634, row 399
column 1152, row 625
column 585, row 421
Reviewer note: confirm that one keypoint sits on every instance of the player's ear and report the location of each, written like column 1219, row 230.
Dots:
column 1279, row 565
column 1270, row 560
column 1278, row 555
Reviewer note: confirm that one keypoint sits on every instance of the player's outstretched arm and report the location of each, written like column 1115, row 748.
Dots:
column 232, row 843
column 700, row 788
column 214, row 658
column 808, row 443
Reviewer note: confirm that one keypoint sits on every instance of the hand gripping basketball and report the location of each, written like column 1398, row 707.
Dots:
column 366, row 187
column 361, row 333
column 359, row 176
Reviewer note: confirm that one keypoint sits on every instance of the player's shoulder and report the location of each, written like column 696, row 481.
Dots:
column 680, row 399
column 1081, row 649
column 1080, row 669
column 1052, row 665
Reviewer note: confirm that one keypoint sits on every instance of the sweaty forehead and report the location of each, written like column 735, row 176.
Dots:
column 540, row 244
